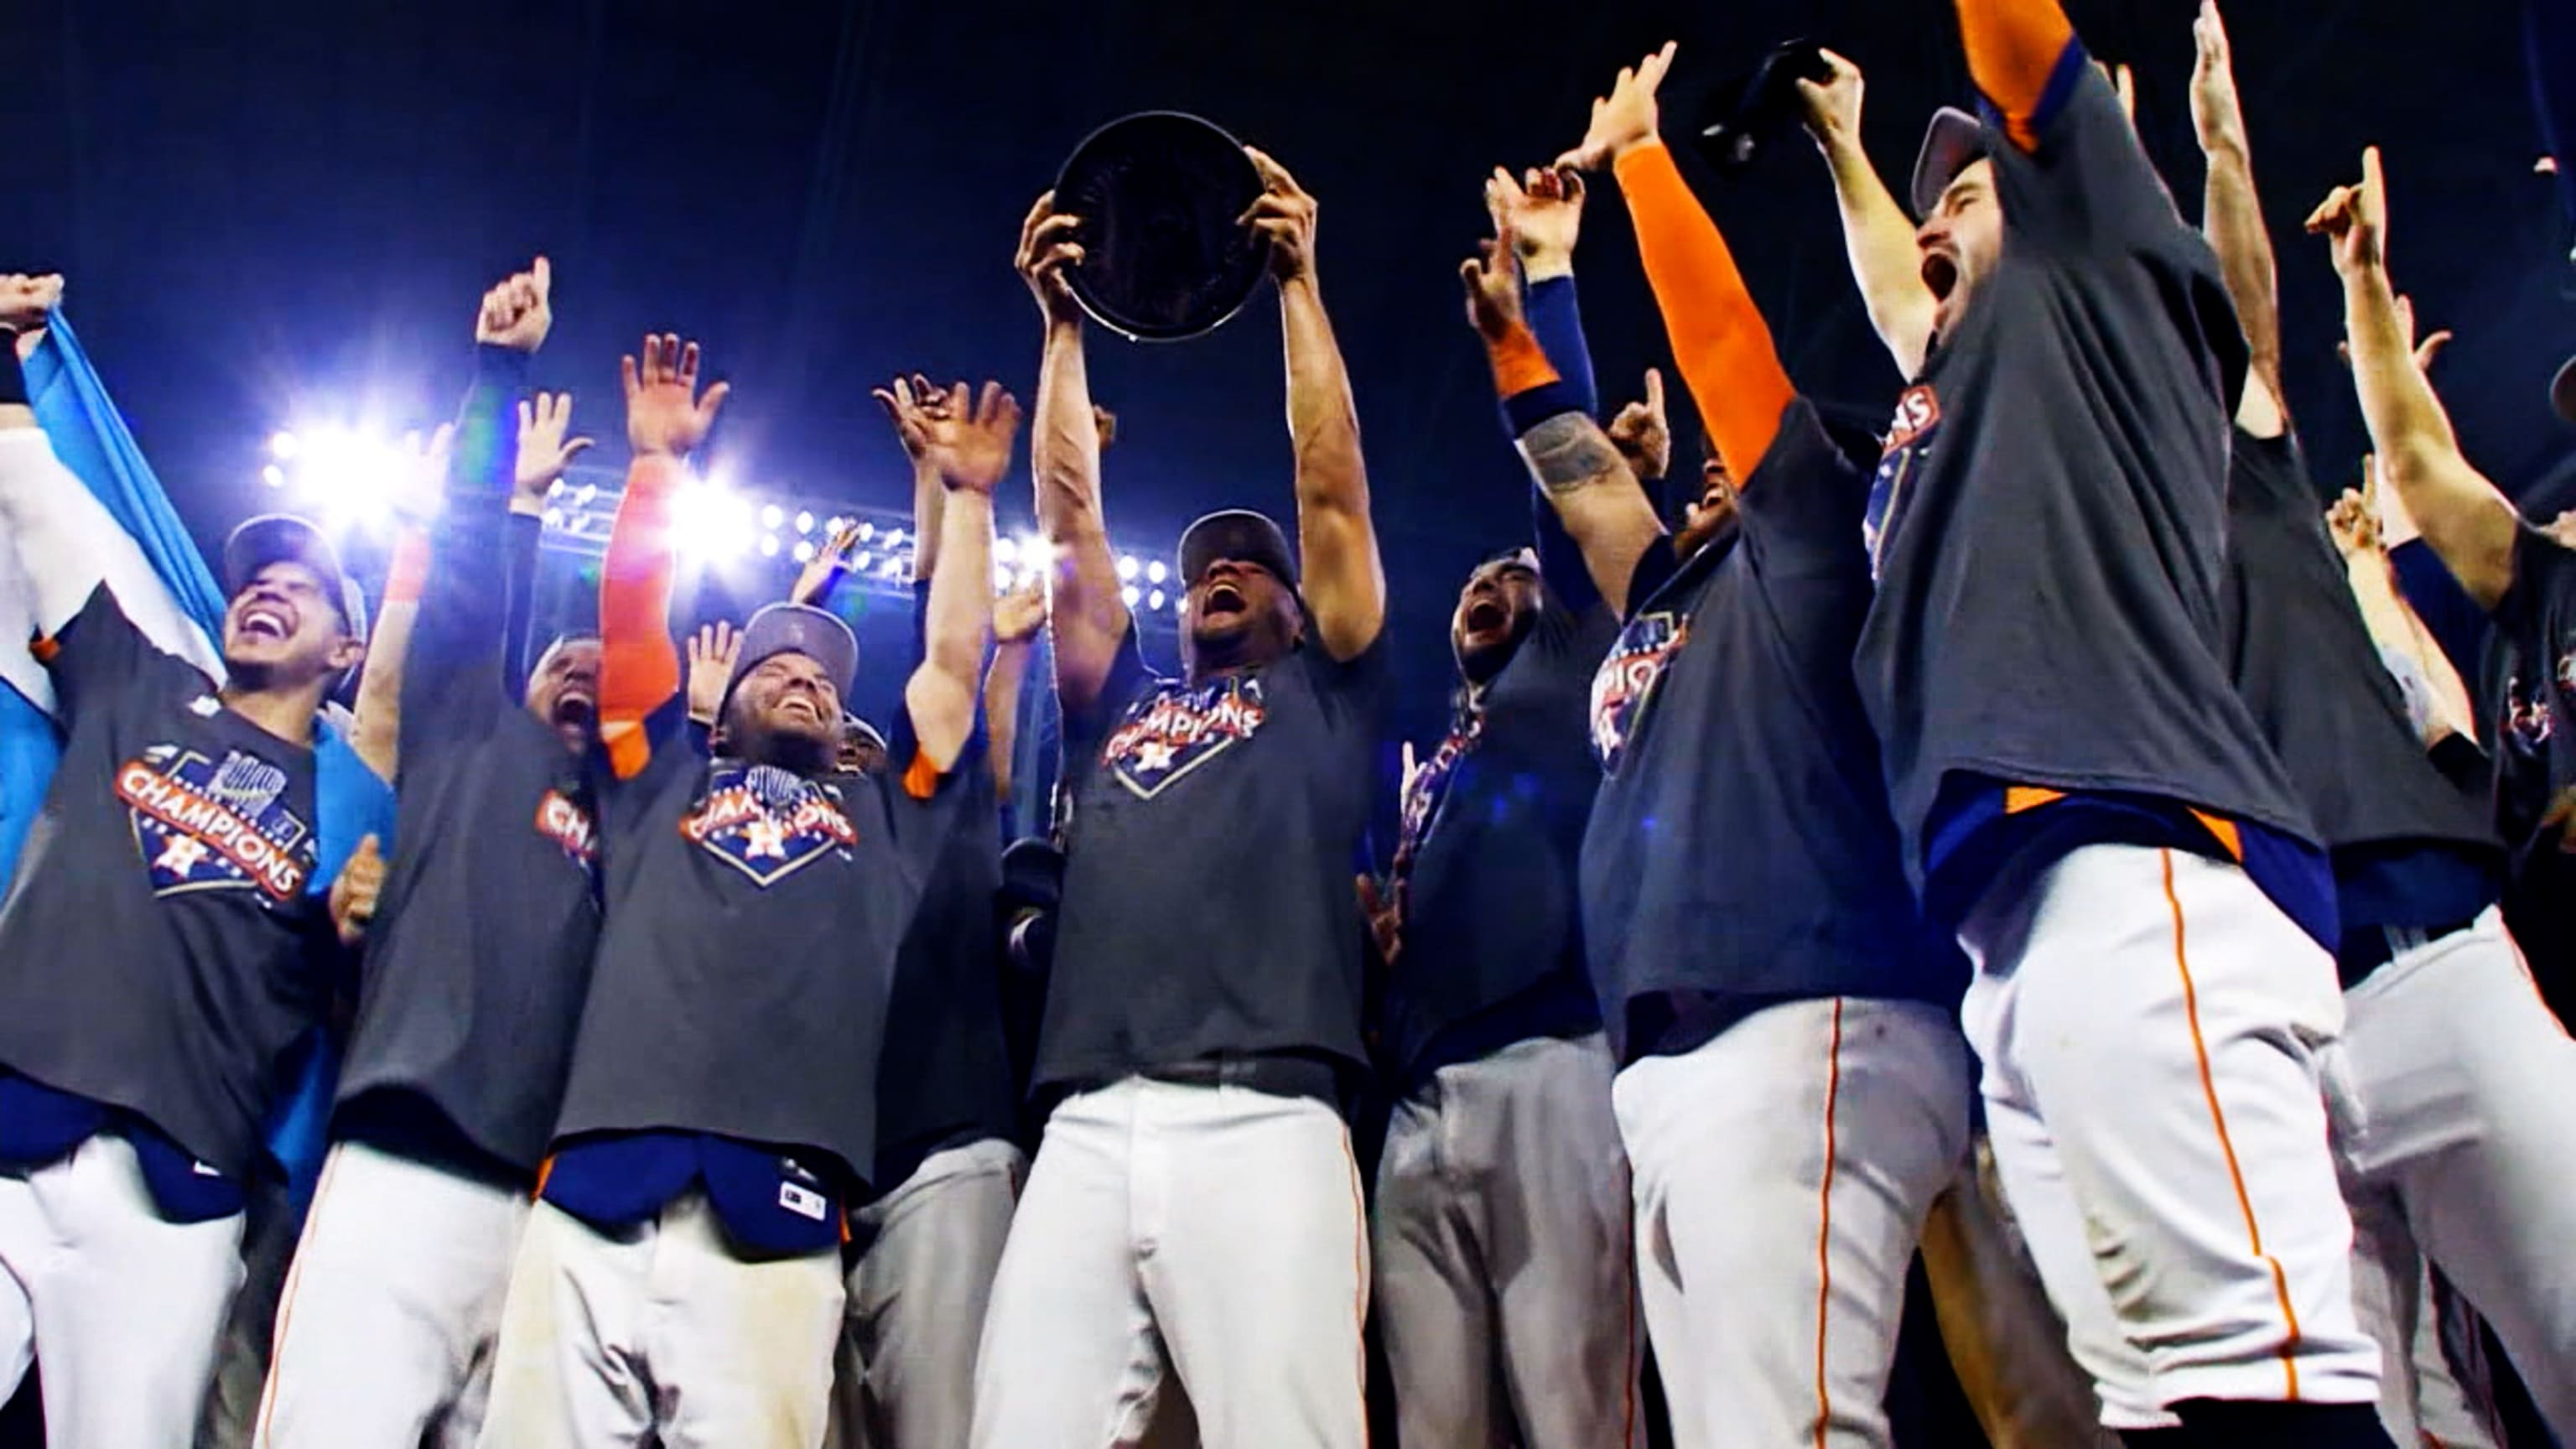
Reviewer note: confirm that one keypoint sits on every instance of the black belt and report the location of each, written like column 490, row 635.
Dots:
column 2367, row 948
column 1277, row 1073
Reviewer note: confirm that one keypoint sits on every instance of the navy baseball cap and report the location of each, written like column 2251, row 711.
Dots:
column 1239, row 534
column 284, row 538
column 796, row 629
column 1954, row 141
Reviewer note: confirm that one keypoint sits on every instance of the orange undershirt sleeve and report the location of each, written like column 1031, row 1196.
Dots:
column 2014, row 47
column 639, row 670
column 1720, row 342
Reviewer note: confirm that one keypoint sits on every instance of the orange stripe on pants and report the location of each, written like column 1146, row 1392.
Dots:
column 1825, row 1227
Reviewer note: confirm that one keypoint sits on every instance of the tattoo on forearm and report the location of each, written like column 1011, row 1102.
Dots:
column 1569, row 452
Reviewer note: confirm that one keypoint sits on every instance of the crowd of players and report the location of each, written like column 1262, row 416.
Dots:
column 2044, row 840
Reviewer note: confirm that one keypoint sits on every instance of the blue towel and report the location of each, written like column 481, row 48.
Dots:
column 91, row 439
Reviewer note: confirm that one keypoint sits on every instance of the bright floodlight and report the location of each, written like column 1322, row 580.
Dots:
column 1005, row 551
column 348, row 476
column 772, row 516
column 283, row 446
column 769, row 545
column 1001, row 576
column 709, row 522
column 859, row 564
column 804, row 550
column 1130, row 594
column 1155, row 573
column 868, row 531
column 893, row 567
column 894, row 538
column 1128, row 568
column 1154, row 600
column 273, row 475
column 804, row 521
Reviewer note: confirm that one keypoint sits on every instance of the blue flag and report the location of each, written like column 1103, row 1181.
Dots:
column 90, row 437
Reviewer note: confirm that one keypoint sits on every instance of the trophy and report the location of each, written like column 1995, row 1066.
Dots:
column 1163, row 257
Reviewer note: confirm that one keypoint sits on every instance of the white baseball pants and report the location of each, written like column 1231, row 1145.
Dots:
column 661, row 1329
column 2464, row 1153
column 918, row 1297
column 2154, row 1033
column 125, row 1305
column 1211, row 1232
column 1505, row 1285
column 386, row 1328
column 1783, row 1172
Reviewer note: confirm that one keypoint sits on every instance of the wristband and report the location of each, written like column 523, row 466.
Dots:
column 1520, row 364
column 13, row 378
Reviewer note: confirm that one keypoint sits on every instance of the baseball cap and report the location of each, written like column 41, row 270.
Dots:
column 2562, row 390
column 1953, row 141
column 284, row 538
column 796, row 629
column 1236, row 533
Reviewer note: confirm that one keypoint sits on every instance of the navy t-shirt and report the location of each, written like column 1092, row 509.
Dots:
column 2531, row 681
column 1491, row 827
column 2049, row 517
column 1208, row 905
column 159, row 952
column 2411, row 847
column 1740, row 849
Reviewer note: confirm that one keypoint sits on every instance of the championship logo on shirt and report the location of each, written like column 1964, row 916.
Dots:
column 1626, row 680
column 767, row 822
column 1430, row 781
column 1177, row 729
column 567, row 823
column 1918, row 416
column 206, row 824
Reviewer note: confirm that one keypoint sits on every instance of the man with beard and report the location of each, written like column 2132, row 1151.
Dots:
column 1194, row 1206
column 1499, row 1234
column 159, row 953
column 1792, row 1089
column 476, row 963
column 680, row 1276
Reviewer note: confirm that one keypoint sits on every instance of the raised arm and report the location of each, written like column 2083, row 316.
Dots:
column 67, row 542
column 2015, row 48
column 1064, row 453
column 2354, row 521
column 1575, row 465
column 1878, row 237
column 971, row 446
column 1543, row 214
column 1017, row 617
column 1344, row 581
column 2468, row 523
column 639, row 669
column 2232, row 218
column 1720, row 342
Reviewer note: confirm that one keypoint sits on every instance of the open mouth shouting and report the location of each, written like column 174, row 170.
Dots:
column 1223, row 598
column 1486, row 615
column 802, row 705
column 266, row 621
column 1940, row 273
column 576, row 709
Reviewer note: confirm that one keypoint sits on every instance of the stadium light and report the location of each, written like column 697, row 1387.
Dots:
column 1128, row 568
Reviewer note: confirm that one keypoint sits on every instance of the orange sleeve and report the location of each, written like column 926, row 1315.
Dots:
column 639, row 670
column 921, row 778
column 409, row 571
column 1520, row 363
column 2014, row 47
column 1720, row 341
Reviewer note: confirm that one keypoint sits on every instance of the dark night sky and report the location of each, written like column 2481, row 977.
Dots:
column 271, row 204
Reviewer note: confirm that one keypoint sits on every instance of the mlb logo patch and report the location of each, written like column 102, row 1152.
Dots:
column 1627, row 679
column 1179, row 729
column 207, row 824
column 767, row 822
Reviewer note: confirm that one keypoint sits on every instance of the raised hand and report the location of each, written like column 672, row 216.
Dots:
column 1285, row 214
column 518, row 313
column 2216, row 114
column 1833, row 108
column 1642, row 433
column 827, row 566
column 912, row 404
column 1019, row 614
column 665, row 415
column 712, row 651
column 1048, row 245
column 971, row 446
column 2355, row 219
column 1104, row 424
column 1626, row 118
column 25, row 300
column 355, row 891
column 420, row 489
column 1544, row 213
column 1493, row 282
column 2354, row 518
column 544, row 451
column 2425, row 351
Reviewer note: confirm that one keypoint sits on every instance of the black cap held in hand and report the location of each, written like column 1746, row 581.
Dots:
column 1163, row 257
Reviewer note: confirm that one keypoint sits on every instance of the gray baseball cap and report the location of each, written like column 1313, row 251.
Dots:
column 283, row 538
column 1951, row 144
column 797, row 629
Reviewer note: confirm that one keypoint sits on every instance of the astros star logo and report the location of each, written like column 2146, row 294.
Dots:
column 180, row 855
column 768, row 825
column 764, row 838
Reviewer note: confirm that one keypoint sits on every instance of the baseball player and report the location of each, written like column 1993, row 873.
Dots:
column 947, row 1102
column 2083, row 796
column 2464, row 1076
column 477, row 962
column 680, row 1275
column 1194, row 1208
column 1499, row 1234
column 159, row 953
column 1793, row 1092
